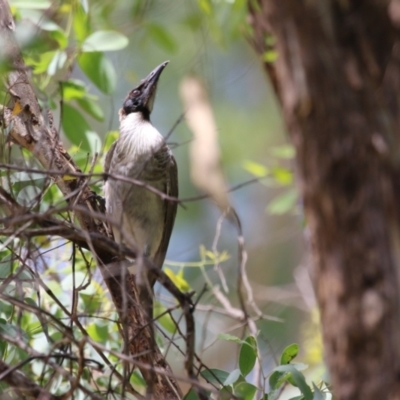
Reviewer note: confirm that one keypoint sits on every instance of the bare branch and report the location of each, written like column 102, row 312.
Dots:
column 29, row 130
column 22, row 385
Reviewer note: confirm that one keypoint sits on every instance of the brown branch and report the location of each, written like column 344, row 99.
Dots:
column 52, row 226
column 29, row 130
column 103, row 176
column 39, row 312
column 16, row 341
column 22, row 385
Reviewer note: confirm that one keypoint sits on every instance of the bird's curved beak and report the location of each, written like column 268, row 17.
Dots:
column 152, row 78
column 149, row 85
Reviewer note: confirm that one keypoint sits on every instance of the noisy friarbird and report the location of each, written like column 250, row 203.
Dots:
column 141, row 219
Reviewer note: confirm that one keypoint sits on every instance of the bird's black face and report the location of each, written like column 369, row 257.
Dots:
column 141, row 99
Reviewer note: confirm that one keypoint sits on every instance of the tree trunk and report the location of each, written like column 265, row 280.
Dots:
column 337, row 77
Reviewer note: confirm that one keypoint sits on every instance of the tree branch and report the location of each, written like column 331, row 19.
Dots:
column 29, row 130
column 22, row 385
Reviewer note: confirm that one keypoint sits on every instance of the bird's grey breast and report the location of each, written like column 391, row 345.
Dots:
column 140, row 211
column 149, row 167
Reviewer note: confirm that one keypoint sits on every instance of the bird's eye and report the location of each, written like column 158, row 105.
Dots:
column 136, row 92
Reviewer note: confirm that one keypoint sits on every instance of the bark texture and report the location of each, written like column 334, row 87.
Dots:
column 29, row 129
column 337, row 77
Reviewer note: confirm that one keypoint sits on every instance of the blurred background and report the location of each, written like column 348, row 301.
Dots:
column 211, row 44
column 212, row 41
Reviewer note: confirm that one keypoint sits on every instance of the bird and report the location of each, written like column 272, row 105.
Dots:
column 142, row 219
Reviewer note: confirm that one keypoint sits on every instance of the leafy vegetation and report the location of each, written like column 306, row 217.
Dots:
column 58, row 325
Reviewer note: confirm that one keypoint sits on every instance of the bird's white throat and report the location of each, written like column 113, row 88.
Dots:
column 139, row 135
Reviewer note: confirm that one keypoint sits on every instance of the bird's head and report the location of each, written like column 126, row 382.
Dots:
column 141, row 98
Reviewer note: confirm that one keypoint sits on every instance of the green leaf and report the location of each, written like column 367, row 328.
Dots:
column 6, row 309
column 162, row 37
column 78, row 130
column 40, row 63
column 105, row 41
column 283, row 203
column 12, row 330
column 283, row 176
column 98, row 332
column 165, row 319
column 299, row 366
column 99, row 70
column 137, row 379
column 215, row 376
column 81, row 23
column 60, row 37
column 192, row 21
column 298, row 379
column 3, row 348
column 30, row 301
column 270, row 40
column 55, row 31
column 21, row 180
column 92, row 108
column 191, row 395
column 245, row 390
column 73, row 89
column 92, row 302
column 230, row 338
column 6, row 267
column 95, row 146
column 28, row 195
column 178, row 279
column 276, row 379
column 289, row 353
column 11, row 354
column 233, row 377
column 56, row 336
column 270, row 56
column 23, row 274
column 225, row 393
column 58, row 61
column 255, row 169
column 205, row 6
column 248, row 355
column 318, row 394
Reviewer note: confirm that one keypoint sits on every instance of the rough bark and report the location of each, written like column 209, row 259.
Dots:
column 337, row 77
column 30, row 130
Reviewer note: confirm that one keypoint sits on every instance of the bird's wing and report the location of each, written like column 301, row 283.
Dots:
column 109, row 156
column 170, row 211
column 171, row 189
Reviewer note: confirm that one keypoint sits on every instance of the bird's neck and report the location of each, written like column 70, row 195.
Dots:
column 139, row 135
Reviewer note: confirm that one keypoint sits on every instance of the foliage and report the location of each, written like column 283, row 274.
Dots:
column 65, row 38
column 37, row 314
column 287, row 373
column 54, row 313
column 57, row 323
column 277, row 175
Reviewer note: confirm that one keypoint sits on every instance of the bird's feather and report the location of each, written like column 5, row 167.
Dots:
column 171, row 190
column 109, row 156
